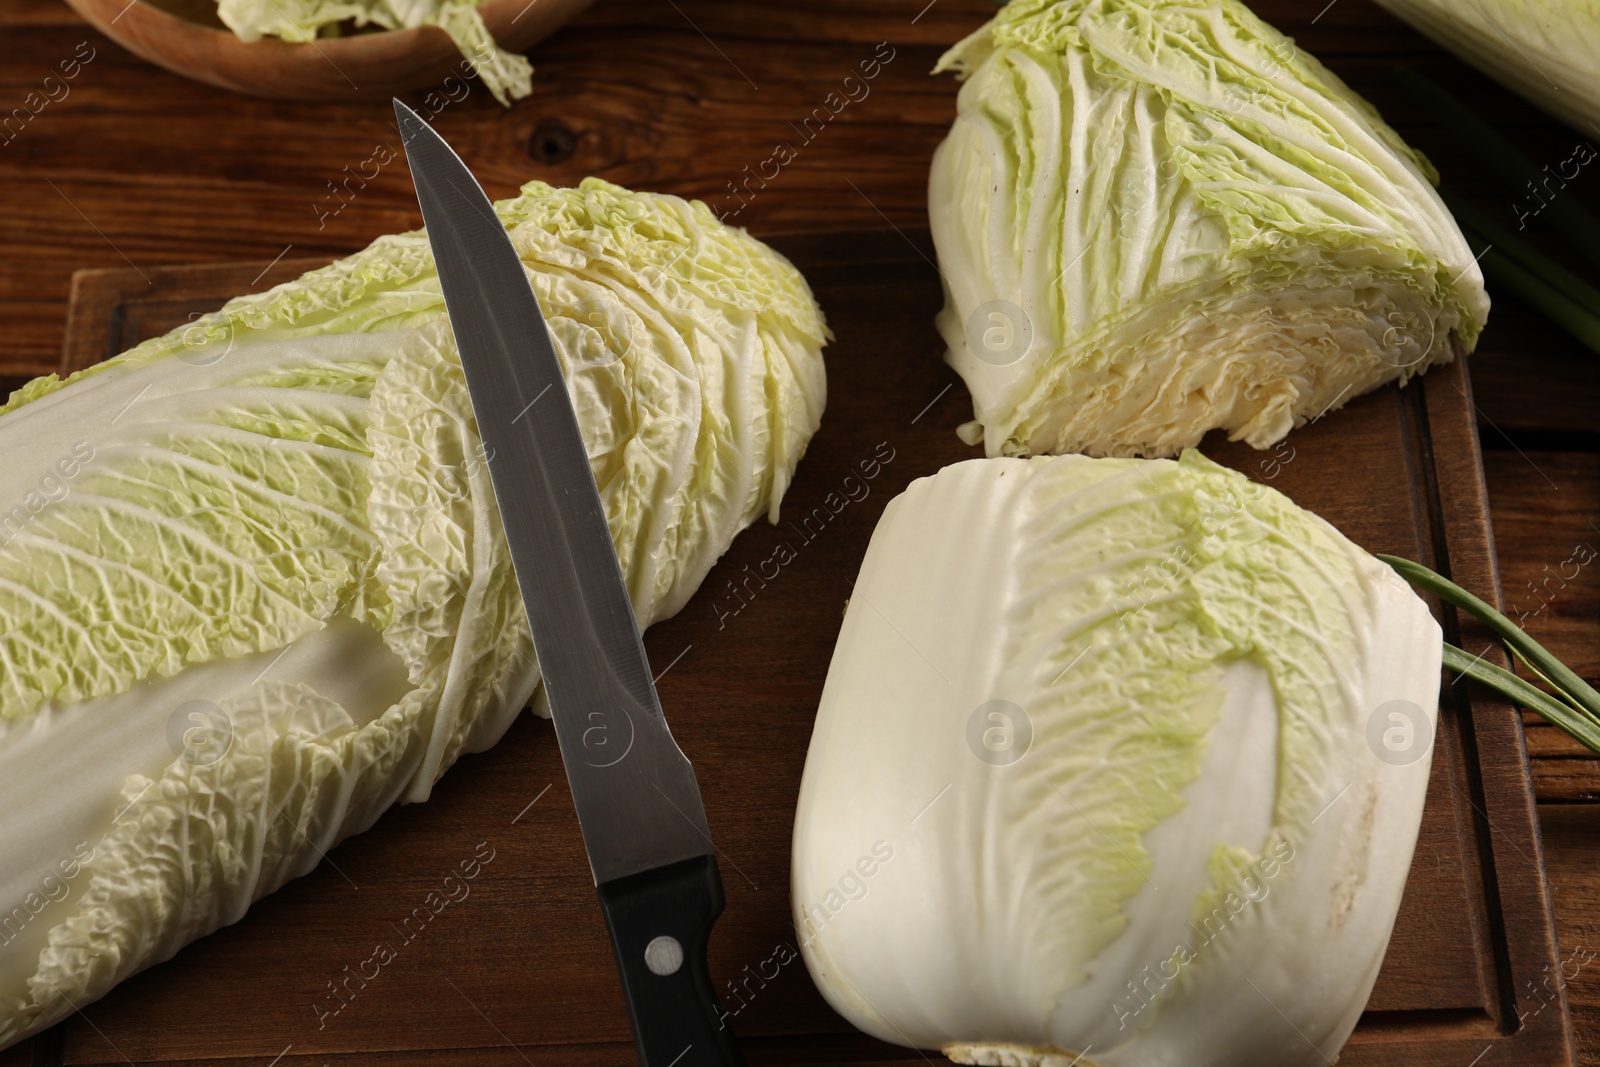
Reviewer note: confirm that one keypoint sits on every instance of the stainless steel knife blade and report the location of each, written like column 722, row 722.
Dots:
column 636, row 795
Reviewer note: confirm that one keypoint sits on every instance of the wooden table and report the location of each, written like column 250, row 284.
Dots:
column 137, row 168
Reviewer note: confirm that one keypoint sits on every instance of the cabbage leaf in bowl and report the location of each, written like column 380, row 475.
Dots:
column 507, row 75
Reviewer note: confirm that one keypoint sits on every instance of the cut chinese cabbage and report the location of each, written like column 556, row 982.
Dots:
column 1158, row 218
column 1154, row 736
column 253, row 586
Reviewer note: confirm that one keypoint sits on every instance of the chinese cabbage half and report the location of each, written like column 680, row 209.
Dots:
column 1155, row 737
column 253, row 585
column 1159, row 218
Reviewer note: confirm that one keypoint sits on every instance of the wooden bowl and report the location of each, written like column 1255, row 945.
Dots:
column 360, row 66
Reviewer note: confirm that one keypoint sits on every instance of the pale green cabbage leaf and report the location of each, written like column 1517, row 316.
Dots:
column 253, row 584
column 507, row 75
column 1121, row 758
column 1158, row 218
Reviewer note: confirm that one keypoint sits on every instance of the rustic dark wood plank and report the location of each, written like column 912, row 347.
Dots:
column 232, row 178
column 1501, row 797
column 1538, row 390
column 111, row 311
column 1548, row 504
column 1545, row 503
column 1572, row 851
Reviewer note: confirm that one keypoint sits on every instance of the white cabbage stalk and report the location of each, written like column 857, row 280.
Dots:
column 253, row 584
column 1159, row 218
column 507, row 75
column 1136, row 778
column 1545, row 50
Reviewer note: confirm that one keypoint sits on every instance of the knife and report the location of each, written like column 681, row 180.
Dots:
column 636, row 795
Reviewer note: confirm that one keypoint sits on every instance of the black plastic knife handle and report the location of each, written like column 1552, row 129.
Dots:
column 660, row 924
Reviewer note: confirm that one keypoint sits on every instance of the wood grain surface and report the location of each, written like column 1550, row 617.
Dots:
column 135, row 168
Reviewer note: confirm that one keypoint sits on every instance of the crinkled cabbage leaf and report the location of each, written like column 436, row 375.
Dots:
column 253, row 583
column 507, row 75
column 1159, row 218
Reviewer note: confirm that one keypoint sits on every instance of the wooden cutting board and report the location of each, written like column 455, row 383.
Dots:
column 520, row 970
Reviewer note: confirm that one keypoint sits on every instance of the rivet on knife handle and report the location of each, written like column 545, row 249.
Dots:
column 660, row 922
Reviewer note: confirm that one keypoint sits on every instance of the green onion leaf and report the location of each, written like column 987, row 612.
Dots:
column 1552, row 273
column 1583, row 727
column 1566, row 681
column 1564, row 312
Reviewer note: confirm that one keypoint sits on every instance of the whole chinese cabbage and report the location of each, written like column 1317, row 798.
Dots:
column 1134, row 783
column 1158, row 217
column 507, row 75
column 253, row 585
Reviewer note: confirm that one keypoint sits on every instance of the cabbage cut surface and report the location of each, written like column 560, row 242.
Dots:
column 1159, row 218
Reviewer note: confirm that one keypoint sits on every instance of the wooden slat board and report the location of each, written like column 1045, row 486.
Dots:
column 524, row 959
